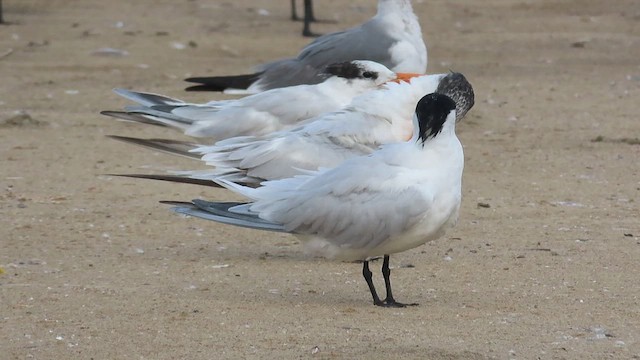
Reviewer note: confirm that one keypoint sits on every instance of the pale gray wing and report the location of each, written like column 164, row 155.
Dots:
column 358, row 220
column 288, row 72
column 278, row 157
column 368, row 41
column 357, row 205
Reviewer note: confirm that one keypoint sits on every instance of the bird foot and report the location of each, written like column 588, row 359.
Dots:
column 392, row 303
column 310, row 34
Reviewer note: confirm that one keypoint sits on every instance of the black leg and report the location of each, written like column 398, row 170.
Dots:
column 308, row 10
column 386, row 273
column 294, row 13
column 367, row 277
column 389, row 301
column 308, row 18
column 1, row 20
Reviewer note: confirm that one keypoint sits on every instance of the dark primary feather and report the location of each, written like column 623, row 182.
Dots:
column 220, row 83
column 182, row 179
column 149, row 115
column 162, row 112
column 171, row 178
column 174, row 147
column 135, row 117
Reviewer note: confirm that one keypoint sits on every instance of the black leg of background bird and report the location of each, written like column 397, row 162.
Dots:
column 367, row 277
column 308, row 9
column 308, row 18
column 389, row 301
column 1, row 19
column 294, row 13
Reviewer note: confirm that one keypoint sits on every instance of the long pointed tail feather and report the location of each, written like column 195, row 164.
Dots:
column 163, row 113
column 147, row 99
column 221, row 83
column 135, row 117
column 174, row 147
column 171, row 178
column 149, row 116
column 223, row 212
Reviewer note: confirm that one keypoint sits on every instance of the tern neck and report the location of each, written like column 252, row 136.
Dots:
column 447, row 133
column 390, row 6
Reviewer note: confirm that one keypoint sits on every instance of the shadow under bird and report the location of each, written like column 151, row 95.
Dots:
column 395, row 199
column 392, row 37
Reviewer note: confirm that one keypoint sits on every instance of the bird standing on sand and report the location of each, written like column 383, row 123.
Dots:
column 372, row 119
column 375, row 118
column 261, row 113
column 397, row 198
column 392, row 37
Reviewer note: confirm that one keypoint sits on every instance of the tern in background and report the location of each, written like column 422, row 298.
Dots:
column 261, row 113
column 392, row 37
column 397, row 198
column 372, row 119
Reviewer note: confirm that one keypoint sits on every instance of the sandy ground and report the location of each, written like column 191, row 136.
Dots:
column 544, row 262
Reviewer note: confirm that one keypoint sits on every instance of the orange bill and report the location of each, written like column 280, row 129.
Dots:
column 405, row 77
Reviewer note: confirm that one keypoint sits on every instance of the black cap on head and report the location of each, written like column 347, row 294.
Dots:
column 350, row 70
column 432, row 111
column 456, row 86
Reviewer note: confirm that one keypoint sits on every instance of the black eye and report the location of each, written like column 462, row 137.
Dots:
column 369, row 75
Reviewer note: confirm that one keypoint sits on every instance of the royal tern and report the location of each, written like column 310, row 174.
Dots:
column 261, row 113
column 372, row 119
column 397, row 198
column 392, row 37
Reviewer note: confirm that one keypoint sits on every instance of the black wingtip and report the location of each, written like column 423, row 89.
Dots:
column 170, row 178
column 221, row 83
column 213, row 88
column 130, row 116
column 174, row 147
column 432, row 112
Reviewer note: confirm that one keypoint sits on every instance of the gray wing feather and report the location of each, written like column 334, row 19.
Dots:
column 308, row 67
column 147, row 99
column 163, row 115
column 366, row 42
column 135, row 117
column 361, row 210
column 358, row 220
column 231, row 213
